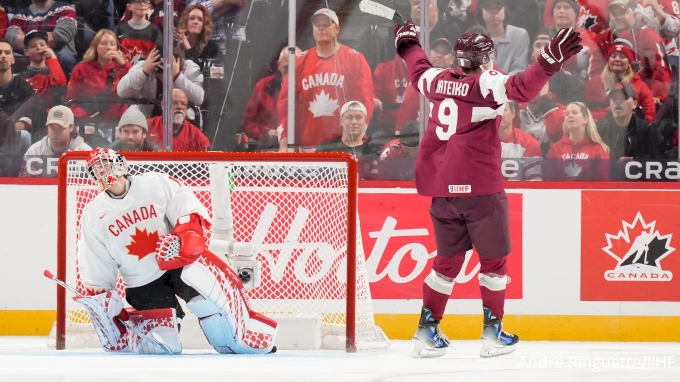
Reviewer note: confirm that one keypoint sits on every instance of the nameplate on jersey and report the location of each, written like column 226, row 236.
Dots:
column 460, row 188
column 452, row 88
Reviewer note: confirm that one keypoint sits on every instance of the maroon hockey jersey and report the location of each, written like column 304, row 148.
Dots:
column 460, row 153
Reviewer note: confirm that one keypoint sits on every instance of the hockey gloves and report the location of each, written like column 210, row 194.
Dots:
column 406, row 33
column 566, row 44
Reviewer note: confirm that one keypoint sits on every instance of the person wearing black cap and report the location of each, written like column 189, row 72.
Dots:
column 44, row 72
column 627, row 135
column 512, row 43
column 592, row 19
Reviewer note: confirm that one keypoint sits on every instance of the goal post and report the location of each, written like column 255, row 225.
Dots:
column 298, row 210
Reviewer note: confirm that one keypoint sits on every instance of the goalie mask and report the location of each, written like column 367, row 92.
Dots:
column 105, row 166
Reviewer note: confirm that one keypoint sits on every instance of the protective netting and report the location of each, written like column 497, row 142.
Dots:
column 295, row 214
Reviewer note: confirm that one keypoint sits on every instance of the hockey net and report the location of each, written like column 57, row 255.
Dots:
column 299, row 210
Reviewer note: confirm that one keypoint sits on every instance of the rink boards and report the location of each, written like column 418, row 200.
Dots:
column 596, row 262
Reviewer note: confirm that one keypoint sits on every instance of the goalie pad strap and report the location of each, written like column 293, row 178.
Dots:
column 224, row 310
column 103, row 309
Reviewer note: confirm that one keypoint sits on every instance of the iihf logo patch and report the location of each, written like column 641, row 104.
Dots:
column 638, row 250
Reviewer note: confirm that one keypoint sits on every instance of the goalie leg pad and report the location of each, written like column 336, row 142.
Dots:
column 224, row 311
column 162, row 322
column 103, row 310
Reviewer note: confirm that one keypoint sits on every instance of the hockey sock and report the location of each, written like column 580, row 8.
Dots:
column 439, row 284
column 492, row 281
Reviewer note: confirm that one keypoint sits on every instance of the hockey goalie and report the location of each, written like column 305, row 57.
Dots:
column 150, row 229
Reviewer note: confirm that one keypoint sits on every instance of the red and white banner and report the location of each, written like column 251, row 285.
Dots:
column 399, row 244
column 628, row 246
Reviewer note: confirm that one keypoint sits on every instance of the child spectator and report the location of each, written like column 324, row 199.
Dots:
column 138, row 36
column 580, row 154
column 155, row 13
column 57, row 18
column 94, row 81
column 194, row 34
column 44, row 72
column 512, row 43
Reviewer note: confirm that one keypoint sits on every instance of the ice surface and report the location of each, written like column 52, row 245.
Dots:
column 28, row 359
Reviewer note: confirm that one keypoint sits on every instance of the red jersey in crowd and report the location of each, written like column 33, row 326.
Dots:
column 323, row 85
column 89, row 80
column 650, row 54
column 44, row 79
column 137, row 43
column 390, row 81
column 583, row 160
column 593, row 15
column 260, row 114
column 409, row 110
column 672, row 10
column 4, row 22
column 523, row 148
column 643, row 96
column 460, row 152
column 155, row 13
column 188, row 138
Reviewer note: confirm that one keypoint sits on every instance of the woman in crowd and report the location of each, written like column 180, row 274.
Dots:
column 194, row 35
column 580, row 154
column 618, row 69
column 96, row 77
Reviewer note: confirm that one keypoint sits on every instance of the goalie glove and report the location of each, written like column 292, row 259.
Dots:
column 405, row 34
column 566, row 44
column 183, row 245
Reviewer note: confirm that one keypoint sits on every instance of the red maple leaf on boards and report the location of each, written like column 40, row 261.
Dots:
column 142, row 243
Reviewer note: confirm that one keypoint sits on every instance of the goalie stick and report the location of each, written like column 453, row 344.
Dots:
column 376, row 9
column 155, row 339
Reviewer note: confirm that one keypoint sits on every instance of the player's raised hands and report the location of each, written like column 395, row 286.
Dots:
column 405, row 33
column 566, row 44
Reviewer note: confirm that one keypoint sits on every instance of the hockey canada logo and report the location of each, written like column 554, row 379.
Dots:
column 638, row 250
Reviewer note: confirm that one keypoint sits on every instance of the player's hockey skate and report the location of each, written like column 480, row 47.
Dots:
column 429, row 340
column 495, row 341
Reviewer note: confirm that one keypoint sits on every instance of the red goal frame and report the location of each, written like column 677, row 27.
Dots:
column 351, row 161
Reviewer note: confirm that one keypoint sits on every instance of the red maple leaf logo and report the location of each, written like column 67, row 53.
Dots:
column 142, row 243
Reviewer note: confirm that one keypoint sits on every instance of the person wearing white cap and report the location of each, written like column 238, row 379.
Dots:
column 133, row 129
column 42, row 157
column 326, row 77
column 353, row 138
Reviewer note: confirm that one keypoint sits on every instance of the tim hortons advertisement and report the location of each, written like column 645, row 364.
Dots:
column 628, row 246
column 399, row 244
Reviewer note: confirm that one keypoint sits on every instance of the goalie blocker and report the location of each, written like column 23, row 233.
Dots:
column 224, row 311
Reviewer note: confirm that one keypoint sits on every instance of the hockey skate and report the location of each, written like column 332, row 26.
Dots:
column 495, row 341
column 429, row 341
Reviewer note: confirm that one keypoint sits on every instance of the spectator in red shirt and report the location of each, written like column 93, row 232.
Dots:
column 648, row 48
column 44, row 72
column 580, row 154
column 4, row 22
column 185, row 136
column 260, row 116
column 618, row 70
column 95, row 79
column 519, row 149
column 390, row 81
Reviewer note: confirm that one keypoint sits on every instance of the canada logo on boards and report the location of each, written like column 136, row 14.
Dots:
column 644, row 251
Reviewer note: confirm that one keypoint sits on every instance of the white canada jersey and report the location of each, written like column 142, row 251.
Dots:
column 120, row 235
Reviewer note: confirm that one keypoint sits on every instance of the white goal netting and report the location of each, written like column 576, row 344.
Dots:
column 295, row 214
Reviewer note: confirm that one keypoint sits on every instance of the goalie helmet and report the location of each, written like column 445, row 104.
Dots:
column 105, row 166
column 474, row 50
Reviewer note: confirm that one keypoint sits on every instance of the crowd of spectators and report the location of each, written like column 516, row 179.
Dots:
column 611, row 109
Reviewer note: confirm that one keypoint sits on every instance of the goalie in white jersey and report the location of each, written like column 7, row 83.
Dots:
column 150, row 229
